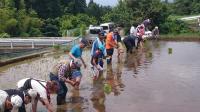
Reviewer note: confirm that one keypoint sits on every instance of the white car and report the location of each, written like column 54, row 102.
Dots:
column 92, row 33
column 107, row 26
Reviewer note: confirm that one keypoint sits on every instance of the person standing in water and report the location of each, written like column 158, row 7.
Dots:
column 76, row 51
column 110, row 45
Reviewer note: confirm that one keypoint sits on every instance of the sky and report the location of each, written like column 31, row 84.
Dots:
column 105, row 2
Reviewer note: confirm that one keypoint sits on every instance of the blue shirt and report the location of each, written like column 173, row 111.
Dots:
column 76, row 51
column 95, row 46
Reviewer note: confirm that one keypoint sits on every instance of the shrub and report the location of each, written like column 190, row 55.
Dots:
column 174, row 27
column 4, row 35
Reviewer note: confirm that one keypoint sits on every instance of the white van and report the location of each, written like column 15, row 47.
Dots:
column 107, row 26
column 92, row 33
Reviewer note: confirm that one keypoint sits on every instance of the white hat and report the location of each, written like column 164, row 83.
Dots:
column 77, row 62
column 16, row 101
column 3, row 97
column 32, row 93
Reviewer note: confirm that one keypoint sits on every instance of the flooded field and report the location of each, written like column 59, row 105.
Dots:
column 163, row 77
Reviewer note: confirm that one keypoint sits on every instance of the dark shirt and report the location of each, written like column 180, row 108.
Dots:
column 119, row 38
column 146, row 22
column 97, row 57
column 130, row 39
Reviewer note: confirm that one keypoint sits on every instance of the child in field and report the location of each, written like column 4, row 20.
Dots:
column 97, row 62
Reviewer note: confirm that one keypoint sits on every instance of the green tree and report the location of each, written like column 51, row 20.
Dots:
column 45, row 8
column 75, row 6
column 50, row 27
column 97, row 11
column 68, row 22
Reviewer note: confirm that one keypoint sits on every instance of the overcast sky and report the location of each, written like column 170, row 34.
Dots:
column 105, row 2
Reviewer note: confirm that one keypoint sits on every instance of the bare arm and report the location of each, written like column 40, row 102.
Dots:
column 112, row 44
column 94, row 63
column 34, row 105
column 71, row 55
column 70, row 81
column 83, row 62
column 48, row 106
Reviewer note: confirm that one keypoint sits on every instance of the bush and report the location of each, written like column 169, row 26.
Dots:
column 4, row 35
column 76, row 32
column 174, row 27
column 82, row 29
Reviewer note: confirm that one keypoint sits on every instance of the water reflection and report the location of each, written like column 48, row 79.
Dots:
column 98, row 95
column 140, row 59
column 113, row 79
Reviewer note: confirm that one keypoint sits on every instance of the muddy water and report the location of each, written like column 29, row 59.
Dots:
column 150, row 80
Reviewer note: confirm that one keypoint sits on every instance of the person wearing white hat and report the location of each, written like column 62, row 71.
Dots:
column 155, row 32
column 27, row 96
column 7, row 103
column 62, row 73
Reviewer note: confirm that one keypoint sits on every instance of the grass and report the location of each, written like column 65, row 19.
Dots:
column 184, row 37
column 173, row 17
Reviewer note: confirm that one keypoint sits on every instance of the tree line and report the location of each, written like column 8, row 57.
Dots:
column 34, row 18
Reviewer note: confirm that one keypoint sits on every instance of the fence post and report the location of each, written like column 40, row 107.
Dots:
column 53, row 42
column 67, row 33
column 11, row 44
column 33, row 44
column 73, row 42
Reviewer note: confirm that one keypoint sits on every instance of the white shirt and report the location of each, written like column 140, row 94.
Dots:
column 133, row 31
column 3, row 97
column 35, row 85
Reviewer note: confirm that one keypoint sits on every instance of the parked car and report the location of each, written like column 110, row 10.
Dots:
column 107, row 26
column 92, row 33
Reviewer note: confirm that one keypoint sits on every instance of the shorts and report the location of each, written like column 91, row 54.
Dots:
column 110, row 51
column 76, row 74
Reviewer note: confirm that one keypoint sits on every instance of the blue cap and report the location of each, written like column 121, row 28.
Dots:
column 102, row 33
